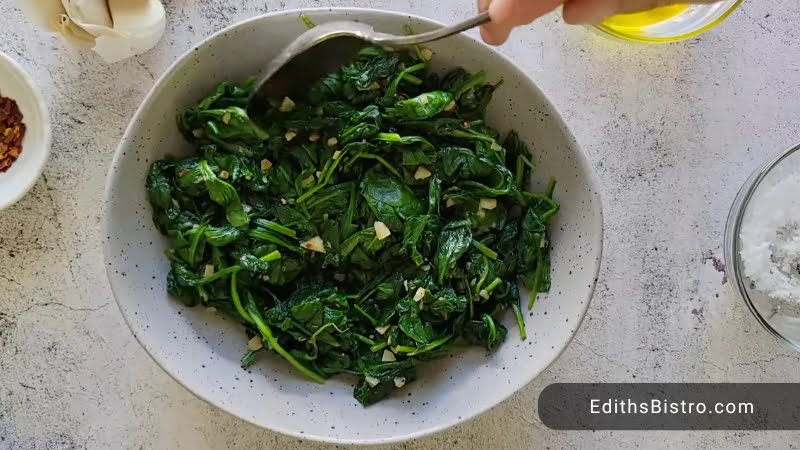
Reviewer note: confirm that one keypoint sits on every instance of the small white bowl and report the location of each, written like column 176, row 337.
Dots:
column 17, row 85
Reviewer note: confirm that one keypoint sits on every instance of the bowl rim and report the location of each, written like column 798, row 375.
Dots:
column 582, row 162
column 733, row 264
column 607, row 31
column 44, row 153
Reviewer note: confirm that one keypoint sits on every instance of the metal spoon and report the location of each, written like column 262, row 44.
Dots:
column 324, row 48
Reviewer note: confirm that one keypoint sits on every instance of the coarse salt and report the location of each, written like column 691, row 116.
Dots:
column 770, row 238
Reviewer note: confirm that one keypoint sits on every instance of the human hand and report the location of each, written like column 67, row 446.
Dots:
column 507, row 14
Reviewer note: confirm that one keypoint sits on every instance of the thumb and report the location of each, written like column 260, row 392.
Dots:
column 507, row 14
column 495, row 32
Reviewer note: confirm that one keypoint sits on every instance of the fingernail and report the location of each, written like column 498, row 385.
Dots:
column 493, row 36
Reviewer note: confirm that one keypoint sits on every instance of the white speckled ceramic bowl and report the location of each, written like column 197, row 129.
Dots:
column 23, row 173
column 202, row 350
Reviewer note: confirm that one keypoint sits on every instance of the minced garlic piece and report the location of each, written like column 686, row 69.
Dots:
column 314, row 244
column 488, row 203
column 422, row 173
column 381, row 230
column 287, row 105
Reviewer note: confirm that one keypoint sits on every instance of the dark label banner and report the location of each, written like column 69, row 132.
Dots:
column 671, row 406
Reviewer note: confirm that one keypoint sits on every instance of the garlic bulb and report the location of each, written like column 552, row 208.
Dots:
column 115, row 29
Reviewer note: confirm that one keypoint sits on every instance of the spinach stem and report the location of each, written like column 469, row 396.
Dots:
column 237, row 302
column 520, row 321
column 417, row 48
column 378, row 347
column 278, row 228
column 307, row 194
column 217, row 275
column 404, row 349
column 489, row 253
column 313, row 337
column 496, row 282
column 537, row 278
column 391, row 92
column 413, row 351
column 471, row 307
column 233, row 269
column 412, row 79
column 366, row 315
column 364, row 339
column 551, row 186
column 476, row 80
column 248, row 357
column 489, row 322
column 307, row 21
column 266, row 332
column 199, row 233
column 554, row 207
column 383, row 162
column 265, row 235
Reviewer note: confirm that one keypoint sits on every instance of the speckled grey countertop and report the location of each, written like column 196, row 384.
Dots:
column 672, row 132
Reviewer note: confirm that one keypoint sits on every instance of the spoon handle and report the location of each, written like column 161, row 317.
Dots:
column 435, row 35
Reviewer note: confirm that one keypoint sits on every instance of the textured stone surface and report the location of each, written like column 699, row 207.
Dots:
column 672, row 132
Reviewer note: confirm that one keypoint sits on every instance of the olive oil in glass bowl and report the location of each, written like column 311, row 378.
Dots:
column 668, row 23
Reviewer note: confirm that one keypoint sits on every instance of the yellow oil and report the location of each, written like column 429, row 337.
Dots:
column 633, row 23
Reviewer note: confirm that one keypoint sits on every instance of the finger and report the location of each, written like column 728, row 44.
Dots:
column 590, row 12
column 494, row 32
column 507, row 14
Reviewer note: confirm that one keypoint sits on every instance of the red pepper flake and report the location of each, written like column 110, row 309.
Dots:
column 12, row 130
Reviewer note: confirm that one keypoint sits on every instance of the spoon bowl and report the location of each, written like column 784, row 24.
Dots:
column 325, row 47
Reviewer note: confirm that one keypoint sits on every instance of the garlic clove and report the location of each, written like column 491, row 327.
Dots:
column 72, row 32
column 88, row 13
column 138, row 26
column 137, row 15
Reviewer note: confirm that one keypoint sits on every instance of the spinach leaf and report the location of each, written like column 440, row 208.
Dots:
column 413, row 232
column 222, row 235
column 225, row 195
column 159, row 189
column 390, row 199
column 381, row 378
column 487, row 332
column 446, row 304
column 454, row 241
column 232, row 123
column 423, row 106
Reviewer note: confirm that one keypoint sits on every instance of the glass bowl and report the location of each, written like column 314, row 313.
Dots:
column 689, row 21
column 780, row 318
